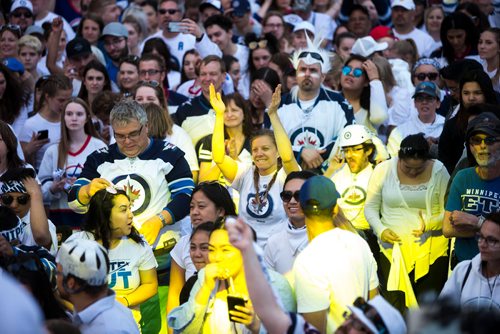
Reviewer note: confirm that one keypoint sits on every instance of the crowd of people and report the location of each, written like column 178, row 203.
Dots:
column 249, row 166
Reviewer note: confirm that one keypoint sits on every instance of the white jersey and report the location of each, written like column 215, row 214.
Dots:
column 181, row 139
column 177, row 45
column 268, row 216
column 353, row 189
column 25, row 234
column 425, row 43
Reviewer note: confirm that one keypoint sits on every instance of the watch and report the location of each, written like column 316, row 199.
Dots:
column 163, row 220
column 480, row 221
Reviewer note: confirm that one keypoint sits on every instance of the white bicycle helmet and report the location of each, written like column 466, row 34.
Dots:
column 354, row 134
column 85, row 259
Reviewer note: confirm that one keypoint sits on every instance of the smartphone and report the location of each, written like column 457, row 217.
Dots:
column 175, row 27
column 43, row 134
column 232, row 302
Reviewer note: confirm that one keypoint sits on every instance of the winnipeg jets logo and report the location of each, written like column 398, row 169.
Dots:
column 137, row 190
column 307, row 137
column 259, row 209
column 354, row 195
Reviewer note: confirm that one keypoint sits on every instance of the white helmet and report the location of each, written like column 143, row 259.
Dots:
column 354, row 134
column 85, row 259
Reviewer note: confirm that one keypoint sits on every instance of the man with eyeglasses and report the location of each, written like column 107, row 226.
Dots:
column 475, row 191
column 19, row 191
column 283, row 247
column 426, row 120
column 312, row 116
column 21, row 14
column 177, row 38
column 114, row 40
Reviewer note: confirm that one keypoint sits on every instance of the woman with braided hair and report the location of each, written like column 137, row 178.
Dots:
column 259, row 184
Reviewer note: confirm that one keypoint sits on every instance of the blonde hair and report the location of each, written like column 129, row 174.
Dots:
column 30, row 42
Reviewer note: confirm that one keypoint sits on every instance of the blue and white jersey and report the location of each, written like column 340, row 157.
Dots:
column 158, row 179
column 316, row 125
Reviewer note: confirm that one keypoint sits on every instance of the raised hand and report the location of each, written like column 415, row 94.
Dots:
column 216, row 101
column 275, row 101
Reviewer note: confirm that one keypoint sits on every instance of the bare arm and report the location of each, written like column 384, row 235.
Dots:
column 176, row 283
column 459, row 224
column 38, row 218
column 53, row 45
column 317, row 319
column 147, row 289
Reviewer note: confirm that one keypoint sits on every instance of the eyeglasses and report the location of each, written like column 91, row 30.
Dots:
column 372, row 314
column 163, row 11
column 132, row 135
column 21, row 200
column 149, row 72
column 260, row 44
column 313, row 55
column 421, row 76
column 274, row 25
column 150, row 83
column 352, row 149
column 356, row 72
column 490, row 241
column 425, row 98
column 114, row 41
column 26, row 15
column 14, row 28
column 286, row 196
column 476, row 140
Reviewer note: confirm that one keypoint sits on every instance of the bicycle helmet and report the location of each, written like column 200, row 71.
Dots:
column 84, row 259
column 354, row 134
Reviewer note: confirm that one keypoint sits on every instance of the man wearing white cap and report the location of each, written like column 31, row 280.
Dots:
column 323, row 24
column 21, row 14
column 82, row 278
column 42, row 15
column 301, row 32
column 403, row 12
column 367, row 47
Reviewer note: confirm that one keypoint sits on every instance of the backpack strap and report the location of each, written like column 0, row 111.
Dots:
column 466, row 276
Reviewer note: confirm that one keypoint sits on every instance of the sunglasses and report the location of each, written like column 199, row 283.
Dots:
column 313, row 55
column 432, row 76
column 425, row 98
column 163, row 11
column 372, row 314
column 26, row 15
column 260, row 44
column 130, row 59
column 21, row 200
column 356, row 72
column 28, row 265
column 14, row 28
column 286, row 196
column 476, row 141
column 150, row 83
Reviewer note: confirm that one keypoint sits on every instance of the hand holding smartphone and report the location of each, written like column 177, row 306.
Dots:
column 42, row 134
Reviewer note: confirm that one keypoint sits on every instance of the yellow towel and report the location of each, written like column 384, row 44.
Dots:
column 398, row 278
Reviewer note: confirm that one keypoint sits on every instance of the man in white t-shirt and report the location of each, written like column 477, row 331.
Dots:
column 42, row 15
column 336, row 267
column 283, row 247
column 403, row 12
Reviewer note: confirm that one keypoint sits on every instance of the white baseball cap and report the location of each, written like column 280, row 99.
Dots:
column 366, row 46
column 354, row 134
column 406, row 4
column 304, row 25
column 392, row 319
column 21, row 4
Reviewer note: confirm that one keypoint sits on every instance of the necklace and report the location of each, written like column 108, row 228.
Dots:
column 491, row 287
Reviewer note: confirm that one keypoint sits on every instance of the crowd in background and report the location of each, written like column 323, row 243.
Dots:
column 357, row 142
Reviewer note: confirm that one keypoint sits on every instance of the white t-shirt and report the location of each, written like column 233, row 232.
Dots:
column 331, row 272
column 180, row 254
column 38, row 123
column 425, row 43
column 265, row 218
column 174, row 79
column 26, row 235
column 181, row 139
column 126, row 260
column 177, row 45
column 188, row 89
column 70, row 33
column 353, row 189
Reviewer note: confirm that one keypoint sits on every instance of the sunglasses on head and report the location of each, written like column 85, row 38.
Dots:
column 151, row 83
column 260, row 44
column 356, row 72
column 14, row 28
column 476, row 141
column 372, row 314
column 28, row 265
column 421, row 76
column 8, row 199
column 286, row 196
column 313, row 55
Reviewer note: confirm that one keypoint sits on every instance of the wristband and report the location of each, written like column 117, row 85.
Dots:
column 128, row 304
column 163, row 220
column 480, row 221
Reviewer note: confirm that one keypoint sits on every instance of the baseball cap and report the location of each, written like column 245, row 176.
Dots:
column 319, row 193
column 21, row 4
column 406, row 4
column 78, row 46
column 486, row 122
column 302, row 5
column 211, row 3
column 427, row 88
column 33, row 29
column 85, row 259
column 366, row 46
column 304, row 25
column 115, row 29
column 354, row 134
column 240, row 7
column 14, row 65
column 292, row 19
column 382, row 31
column 391, row 317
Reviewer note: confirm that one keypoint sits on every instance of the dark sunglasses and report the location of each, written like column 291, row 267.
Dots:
column 169, row 11
column 150, row 83
column 372, row 314
column 488, row 140
column 356, row 72
column 26, row 15
column 28, row 265
column 130, row 59
column 314, row 55
column 432, row 76
column 8, row 199
column 286, row 196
